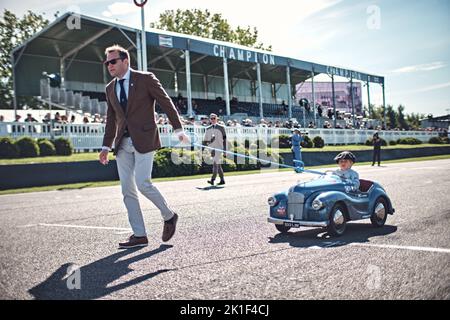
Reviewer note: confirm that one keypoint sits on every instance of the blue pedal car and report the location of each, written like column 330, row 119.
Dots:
column 329, row 202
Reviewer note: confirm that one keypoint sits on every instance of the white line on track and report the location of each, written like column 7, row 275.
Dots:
column 413, row 248
column 121, row 230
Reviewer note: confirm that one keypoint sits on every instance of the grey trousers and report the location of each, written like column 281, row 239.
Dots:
column 217, row 165
column 135, row 173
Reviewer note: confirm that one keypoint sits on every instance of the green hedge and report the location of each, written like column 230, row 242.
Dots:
column 46, row 148
column 8, row 149
column 282, row 140
column 63, row 147
column 307, row 142
column 318, row 142
column 409, row 140
column 439, row 140
column 28, row 147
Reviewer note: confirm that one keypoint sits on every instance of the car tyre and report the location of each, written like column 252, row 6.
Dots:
column 338, row 222
column 379, row 214
column 282, row 228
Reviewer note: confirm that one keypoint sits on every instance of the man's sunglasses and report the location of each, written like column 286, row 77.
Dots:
column 212, row 118
column 112, row 61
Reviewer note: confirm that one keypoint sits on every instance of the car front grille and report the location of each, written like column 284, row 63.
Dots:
column 295, row 205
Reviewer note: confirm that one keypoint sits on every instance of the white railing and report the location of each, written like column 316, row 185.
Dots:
column 90, row 136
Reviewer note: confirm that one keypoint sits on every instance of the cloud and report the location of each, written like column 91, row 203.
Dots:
column 420, row 67
column 435, row 87
column 120, row 9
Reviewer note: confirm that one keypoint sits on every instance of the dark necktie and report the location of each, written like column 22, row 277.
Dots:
column 123, row 103
column 123, row 96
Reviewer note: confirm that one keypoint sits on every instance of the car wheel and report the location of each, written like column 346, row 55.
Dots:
column 379, row 214
column 282, row 228
column 338, row 222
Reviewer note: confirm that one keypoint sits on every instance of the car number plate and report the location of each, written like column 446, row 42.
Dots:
column 292, row 224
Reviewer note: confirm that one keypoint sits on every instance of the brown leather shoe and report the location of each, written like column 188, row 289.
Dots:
column 169, row 228
column 133, row 242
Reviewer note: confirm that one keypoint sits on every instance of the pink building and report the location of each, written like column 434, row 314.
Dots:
column 324, row 97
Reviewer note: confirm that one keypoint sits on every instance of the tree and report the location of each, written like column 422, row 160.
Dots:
column 392, row 117
column 204, row 24
column 14, row 31
column 401, row 118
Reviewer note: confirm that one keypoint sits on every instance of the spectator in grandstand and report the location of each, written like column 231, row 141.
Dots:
column 64, row 119
column 96, row 118
column 2, row 118
column 284, row 106
column 204, row 121
column 296, row 141
column 72, row 119
column 376, row 141
column 85, row 119
column 194, row 106
column 30, row 118
column 319, row 110
column 191, row 120
column 17, row 128
column 47, row 118
column 57, row 118
column 330, row 114
column 311, row 125
column 216, row 137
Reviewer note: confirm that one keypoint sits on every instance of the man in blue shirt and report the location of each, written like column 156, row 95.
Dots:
column 296, row 141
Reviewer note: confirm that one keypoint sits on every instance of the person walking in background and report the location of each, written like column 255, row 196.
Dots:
column 376, row 141
column 131, row 127
column 296, row 141
column 216, row 137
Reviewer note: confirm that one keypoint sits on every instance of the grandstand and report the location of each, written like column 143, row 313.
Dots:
column 201, row 75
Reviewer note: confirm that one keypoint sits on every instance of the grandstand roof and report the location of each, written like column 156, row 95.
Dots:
column 164, row 50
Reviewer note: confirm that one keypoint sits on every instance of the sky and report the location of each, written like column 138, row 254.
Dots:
column 407, row 42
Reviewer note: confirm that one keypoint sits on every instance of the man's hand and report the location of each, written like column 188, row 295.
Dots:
column 184, row 139
column 103, row 157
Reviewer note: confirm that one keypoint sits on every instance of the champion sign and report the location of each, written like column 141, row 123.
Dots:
column 242, row 55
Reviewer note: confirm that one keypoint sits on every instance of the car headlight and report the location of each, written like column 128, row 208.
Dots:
column 317, row 204
column 272, row 201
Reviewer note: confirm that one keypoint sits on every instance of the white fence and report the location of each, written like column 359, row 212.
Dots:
column 90, row 136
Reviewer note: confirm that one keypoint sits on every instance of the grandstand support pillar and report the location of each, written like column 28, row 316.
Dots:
column 289, row 89
column 62, row 72
column 313, row 95
column 352, row 103
column 138, row 51
column 225, row 84
column 187, row 58
column 205, row 85
column 334, row 100
column 258, row 74
column 368, row 98
column 384, row 106
column 14, row 85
